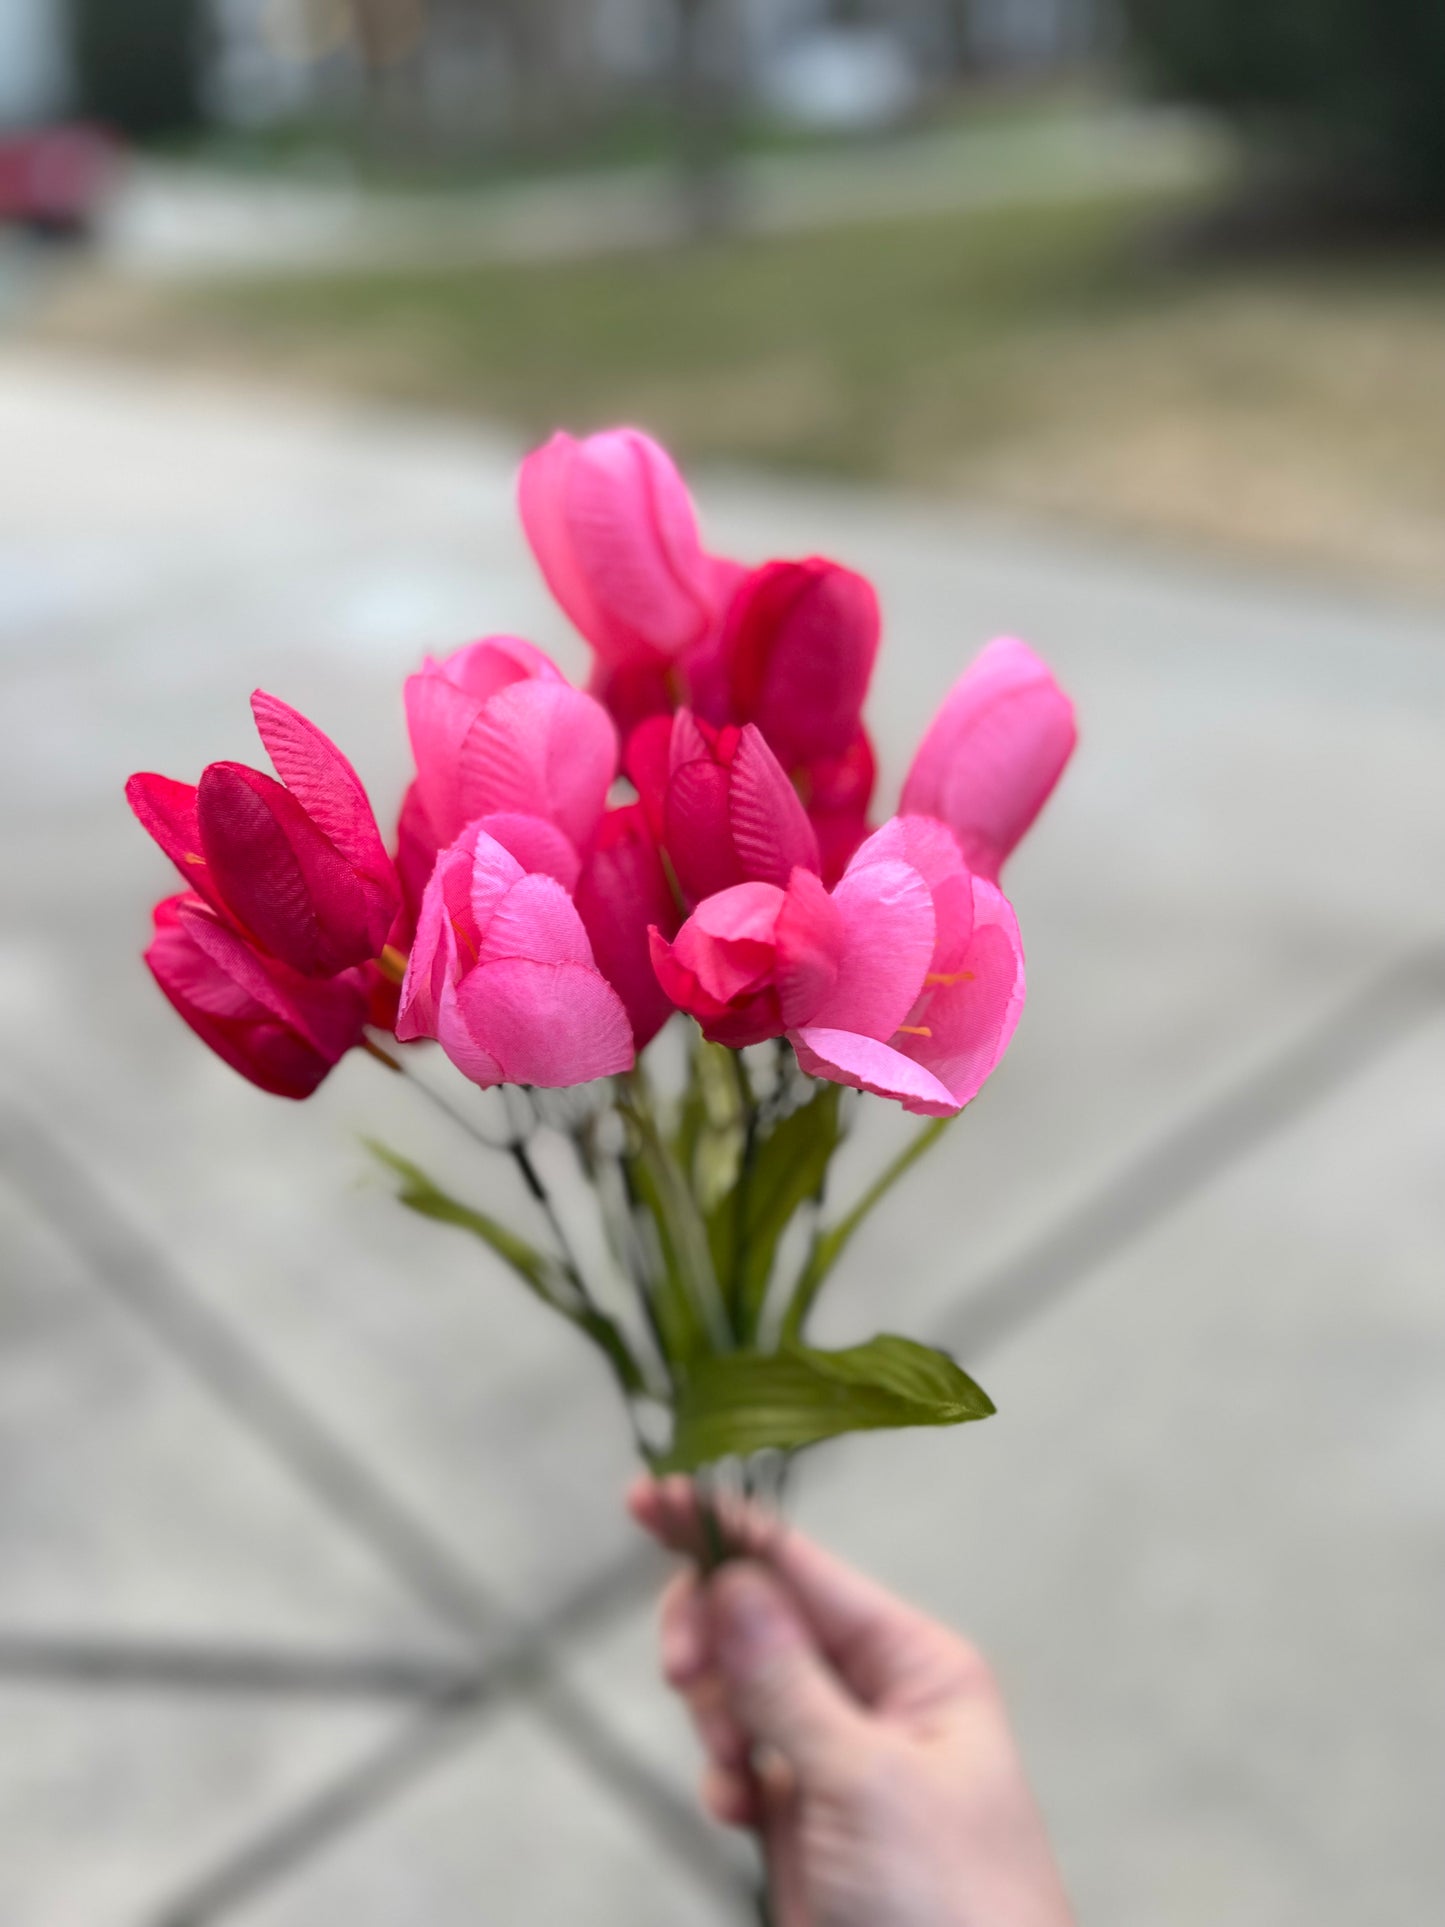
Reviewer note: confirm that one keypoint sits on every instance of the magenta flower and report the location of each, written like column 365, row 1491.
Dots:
column 993, row 753
column 280, row 1030
column 906, row 979
column 622, row 892
column 719, row 804
column 968, row 1001
column 502, row 974
column 496, row 729
column 298, row 865
column 613, row 529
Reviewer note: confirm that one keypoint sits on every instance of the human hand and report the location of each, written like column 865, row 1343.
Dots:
column 865, row 1742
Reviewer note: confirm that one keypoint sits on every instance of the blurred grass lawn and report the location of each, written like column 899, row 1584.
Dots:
column 1061, row 359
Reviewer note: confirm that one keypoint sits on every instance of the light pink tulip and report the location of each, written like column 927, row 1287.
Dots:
column 719, row 804
column 939, row 1055
column 612, row 526
column 498, row 732
column 502, row 974
column 758, row 961
column 993, row 753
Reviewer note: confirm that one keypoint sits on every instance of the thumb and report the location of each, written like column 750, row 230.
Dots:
column 779, row 1688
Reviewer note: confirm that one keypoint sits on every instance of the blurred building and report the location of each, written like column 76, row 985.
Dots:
column 466, row 65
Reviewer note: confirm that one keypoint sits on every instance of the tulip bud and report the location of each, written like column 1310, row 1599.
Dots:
column 612, row 527
column 280, row 1030
column 993, row 753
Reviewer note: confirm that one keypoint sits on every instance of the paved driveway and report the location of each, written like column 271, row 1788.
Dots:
column 316, row 1604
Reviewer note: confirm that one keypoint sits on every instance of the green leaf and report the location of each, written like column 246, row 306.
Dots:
column 784, row 1171
column 684, row 1300
column 737, row 1403
column 545, row 1276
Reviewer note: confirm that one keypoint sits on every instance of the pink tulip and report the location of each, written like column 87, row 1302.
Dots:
column 280, row 1030
column 497, row 730
column 993, row 753
column 612, row 527
column 623, row 890
column 720, row 805
column 299, row 865
column 797, row 650
column 905, row 980
column 502, row 974
column 968, row 1002
column 758, row 961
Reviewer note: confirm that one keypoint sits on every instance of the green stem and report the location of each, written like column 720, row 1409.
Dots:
column 828, row 1245
column 680, row 1229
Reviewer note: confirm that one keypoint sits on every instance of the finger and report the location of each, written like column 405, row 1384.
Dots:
column 780, row 1689
column 731, row 1798
column 722, row 1738
column 683, row 1636
column 886, row 1650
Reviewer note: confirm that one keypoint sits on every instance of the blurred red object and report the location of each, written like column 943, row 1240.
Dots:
column 53, row 179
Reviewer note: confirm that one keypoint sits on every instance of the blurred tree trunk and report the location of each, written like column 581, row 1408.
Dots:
column 706, row 105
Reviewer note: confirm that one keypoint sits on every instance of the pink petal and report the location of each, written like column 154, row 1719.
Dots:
column 622, row 890
column 284, row 880
column 541, row 749
column 930, row 848
column 551, row 1024
column 166, row 810
column 770, row 828
column 993, row 753
column 867, row 1065
column 800, row 641
column 888, row 933
column 810, row 941
column 971, row 1022
column 537, row 845
column 439, row 718
column 612, row 526
column 537, row 920
column 482, row 668
column 324, row 784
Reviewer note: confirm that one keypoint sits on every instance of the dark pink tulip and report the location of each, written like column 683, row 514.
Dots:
column 940, row 1053
column 497, row 730
column 836, row 792
column 502, row 975
column 993, row 753
column 623, row 890
column 280, row 1030
column 797, row 647
column 720, row 804
column 612, row 526
column 298, row 865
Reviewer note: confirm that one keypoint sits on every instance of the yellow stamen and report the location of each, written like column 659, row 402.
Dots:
column 914, row 1030
column 475, row 954
column 393, row 964
column 945, row 977
column 192, row 857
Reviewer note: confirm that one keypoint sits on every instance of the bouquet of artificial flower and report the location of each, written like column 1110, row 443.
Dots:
column 572, row 869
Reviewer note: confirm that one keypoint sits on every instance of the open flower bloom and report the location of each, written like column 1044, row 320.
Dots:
column 299, row 865
column 497, row 730
column 993, row 753
column 968, row 1002
column 621, row 893
column 719, row 804
column 612, row 527
column 906, row 979
column 502, row 974
column 280, row 1030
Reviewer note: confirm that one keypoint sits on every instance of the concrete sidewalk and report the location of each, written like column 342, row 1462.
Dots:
column 316, row 1603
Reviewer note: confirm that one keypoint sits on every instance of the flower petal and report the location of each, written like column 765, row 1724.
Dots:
column 867, row 1065
column 888, row 933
